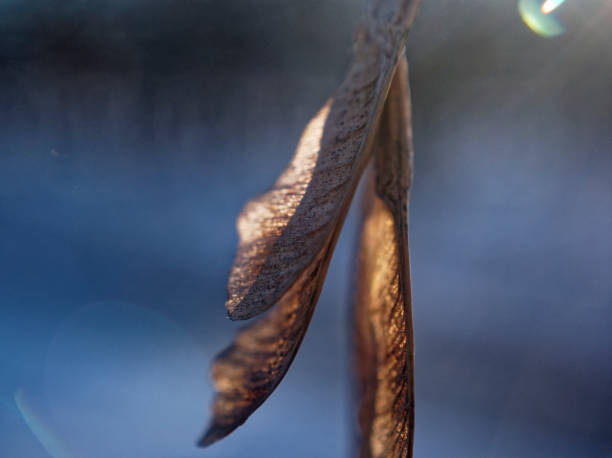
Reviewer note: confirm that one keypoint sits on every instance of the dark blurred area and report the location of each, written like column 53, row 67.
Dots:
column 131, row 134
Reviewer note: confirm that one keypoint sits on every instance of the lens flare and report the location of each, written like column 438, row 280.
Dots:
column 54, row 446
column 538, row 18
column 550, row 5
column 123, row 380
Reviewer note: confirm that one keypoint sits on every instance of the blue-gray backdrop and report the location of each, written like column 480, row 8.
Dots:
column 131, row 134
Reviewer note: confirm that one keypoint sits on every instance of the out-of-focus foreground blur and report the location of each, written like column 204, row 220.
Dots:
column 131, row 134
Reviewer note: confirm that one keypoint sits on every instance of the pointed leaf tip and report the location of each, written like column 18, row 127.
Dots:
column 213, row 434
column 250, row 369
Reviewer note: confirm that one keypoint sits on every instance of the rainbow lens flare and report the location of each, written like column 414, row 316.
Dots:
column 538, row 17
column 41, row 429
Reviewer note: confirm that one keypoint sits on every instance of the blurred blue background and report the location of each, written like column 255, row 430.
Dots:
column 131, row 134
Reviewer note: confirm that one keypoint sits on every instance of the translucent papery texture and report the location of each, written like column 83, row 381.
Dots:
column 287, row 235
column 248, row 371
column 384, row 355
column 282, row 231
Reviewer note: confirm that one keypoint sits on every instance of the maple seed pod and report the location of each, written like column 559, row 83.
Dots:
column 287, row 237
